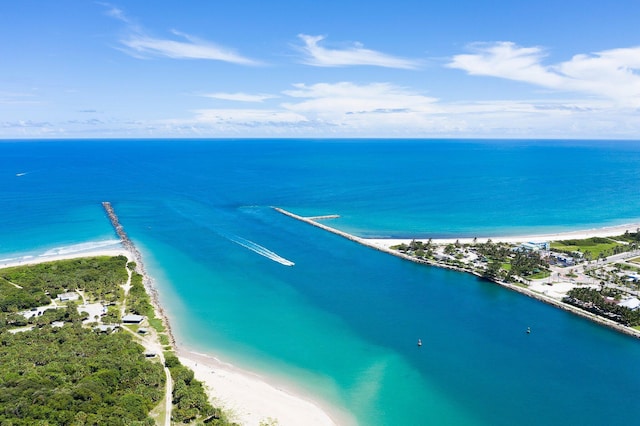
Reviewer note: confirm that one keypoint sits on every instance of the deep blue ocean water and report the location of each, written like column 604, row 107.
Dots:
column 342, row 323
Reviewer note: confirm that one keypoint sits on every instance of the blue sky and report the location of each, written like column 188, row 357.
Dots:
column 320, row 69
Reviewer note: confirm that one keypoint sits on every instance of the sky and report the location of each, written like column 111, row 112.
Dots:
column 320, row 69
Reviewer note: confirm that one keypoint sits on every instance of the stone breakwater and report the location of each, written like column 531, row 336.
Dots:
column 540, row 297
column 137, row 256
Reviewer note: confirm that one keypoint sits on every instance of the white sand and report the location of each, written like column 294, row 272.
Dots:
column 31, row 260
column 250, row 400
column 587, row 233
column 247, row 396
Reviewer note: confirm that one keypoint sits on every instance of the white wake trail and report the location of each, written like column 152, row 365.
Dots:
column 262, row 251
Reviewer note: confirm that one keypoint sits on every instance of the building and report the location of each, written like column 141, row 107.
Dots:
column 632, row 303
column 563, row 260
column 69, row 296
column 132, row 319
column 106, row 328
column 530, row 246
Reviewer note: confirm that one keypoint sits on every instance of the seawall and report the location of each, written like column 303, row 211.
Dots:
column 146, row 279
column 540, row 297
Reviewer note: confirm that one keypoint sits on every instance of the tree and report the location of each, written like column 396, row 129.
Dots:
column 493, row 270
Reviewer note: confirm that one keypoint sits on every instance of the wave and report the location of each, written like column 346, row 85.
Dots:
column 16, row 259
column 79, row 248
column 257, row 248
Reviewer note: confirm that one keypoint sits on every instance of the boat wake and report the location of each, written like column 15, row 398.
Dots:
column 262, row 251
column 197, row 213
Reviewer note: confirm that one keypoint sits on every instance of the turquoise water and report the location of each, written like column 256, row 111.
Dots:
column 343, row 321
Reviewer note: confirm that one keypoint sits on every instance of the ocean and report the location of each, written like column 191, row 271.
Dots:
column 336, row 320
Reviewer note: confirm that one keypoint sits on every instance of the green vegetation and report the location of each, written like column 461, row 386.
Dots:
column 596, row 302
column 157, row 324
column 139, row 302
column 505, row 263
column 592, row 248
column 417, row 248
column 189, row 397
column 625, row 267
column 164, row 339
column 72, row 375
column 539, row 275
column 25, row 287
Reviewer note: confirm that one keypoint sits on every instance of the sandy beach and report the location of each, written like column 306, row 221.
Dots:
column 608, row 231
column 249, row 399
column 31, row 260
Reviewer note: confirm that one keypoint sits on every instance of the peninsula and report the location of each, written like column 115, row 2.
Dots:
column 245, row 398
column 593, row 273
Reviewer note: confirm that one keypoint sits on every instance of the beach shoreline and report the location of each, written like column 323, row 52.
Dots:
column 604, row 232
column 248, row 396
column 385, row 245
column 253, row 399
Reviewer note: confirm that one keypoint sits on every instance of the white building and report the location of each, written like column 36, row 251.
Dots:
column 632, row 303
column 69, row 296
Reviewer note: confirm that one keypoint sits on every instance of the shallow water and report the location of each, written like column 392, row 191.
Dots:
column 278, row 296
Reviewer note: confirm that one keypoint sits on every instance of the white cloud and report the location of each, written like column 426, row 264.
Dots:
column 240, row 97
column 140, row 45
column 347, row 109
column 348, row 102
column 248, row 117
column 355, row 55
column 611, row 74
column 116, row 13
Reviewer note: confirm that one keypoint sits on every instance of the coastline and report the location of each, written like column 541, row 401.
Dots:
column 253, row 399
column 249, row 398
column 605, row 231
column 384, row 245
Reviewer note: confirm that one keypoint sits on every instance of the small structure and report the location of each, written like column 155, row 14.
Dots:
column 563, row 260
column 132, row 319
column 68, row 296
column 142, row 330
column 150, row 354
column 632, row 303
column 106, row 328
column 533, row 247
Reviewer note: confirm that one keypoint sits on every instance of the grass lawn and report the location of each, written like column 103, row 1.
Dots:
column 595, row 245
column 157, row 324
column 539, row 275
